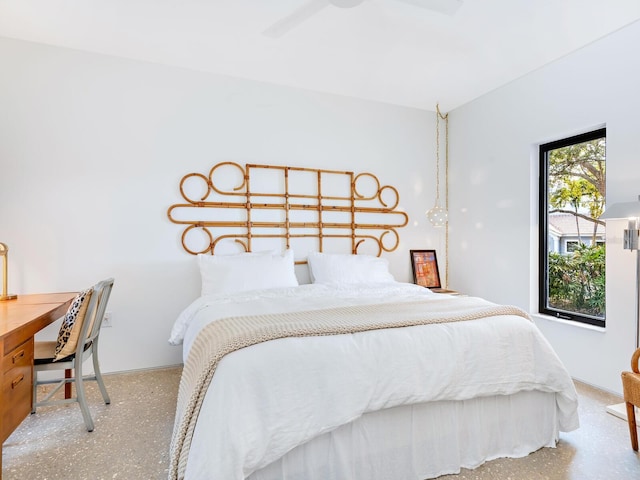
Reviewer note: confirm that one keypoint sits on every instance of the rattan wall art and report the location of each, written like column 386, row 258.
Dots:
column 256, row 202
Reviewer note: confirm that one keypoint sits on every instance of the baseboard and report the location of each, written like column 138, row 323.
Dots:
column 146, row 369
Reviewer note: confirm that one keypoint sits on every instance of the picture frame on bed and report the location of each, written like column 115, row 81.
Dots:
column 424, row 265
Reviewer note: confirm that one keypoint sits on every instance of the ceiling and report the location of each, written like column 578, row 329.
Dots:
column 382, row 50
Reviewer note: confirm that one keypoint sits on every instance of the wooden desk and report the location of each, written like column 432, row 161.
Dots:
column 20, row 320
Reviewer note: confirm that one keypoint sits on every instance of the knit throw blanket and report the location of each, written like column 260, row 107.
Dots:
column 230, row 334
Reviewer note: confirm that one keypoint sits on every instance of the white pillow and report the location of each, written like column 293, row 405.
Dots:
column 336, row 268
column 246, row 271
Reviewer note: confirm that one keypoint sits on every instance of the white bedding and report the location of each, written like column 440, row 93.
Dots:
column 267, row 399
column 208, row 308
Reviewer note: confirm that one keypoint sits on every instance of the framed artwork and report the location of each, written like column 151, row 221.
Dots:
column 425, row 268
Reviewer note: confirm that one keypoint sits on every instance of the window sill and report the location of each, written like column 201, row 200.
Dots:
column 572, row 323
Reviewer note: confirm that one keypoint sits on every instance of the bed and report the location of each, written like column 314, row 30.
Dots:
column 322, row 366
column 355, row 376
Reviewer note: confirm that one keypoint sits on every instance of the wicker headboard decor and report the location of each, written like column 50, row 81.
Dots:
column 257, row 202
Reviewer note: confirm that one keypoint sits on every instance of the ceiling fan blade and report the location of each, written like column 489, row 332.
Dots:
column 447, row 7
column 298, row 16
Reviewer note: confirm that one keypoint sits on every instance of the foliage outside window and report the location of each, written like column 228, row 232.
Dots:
column 572, row 198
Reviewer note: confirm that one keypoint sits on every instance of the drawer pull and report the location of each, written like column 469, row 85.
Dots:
column 15, row 383
column 18, row 356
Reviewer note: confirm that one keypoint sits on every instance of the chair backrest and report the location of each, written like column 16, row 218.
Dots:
column 95, row 313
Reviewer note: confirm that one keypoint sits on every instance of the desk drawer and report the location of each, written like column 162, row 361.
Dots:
column 17, row 377
column 21, row 355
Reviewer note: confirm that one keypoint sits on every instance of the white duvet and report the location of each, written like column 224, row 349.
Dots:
column 266, row 399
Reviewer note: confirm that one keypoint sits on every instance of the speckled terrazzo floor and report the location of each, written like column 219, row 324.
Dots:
column 131, row 439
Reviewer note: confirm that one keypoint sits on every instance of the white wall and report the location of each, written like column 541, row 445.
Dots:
column 92, row 149
column 494, row 191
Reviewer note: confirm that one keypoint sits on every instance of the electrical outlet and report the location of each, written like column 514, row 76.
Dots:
column 106, row 321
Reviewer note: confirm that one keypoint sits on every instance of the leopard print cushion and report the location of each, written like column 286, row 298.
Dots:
column 72, row 324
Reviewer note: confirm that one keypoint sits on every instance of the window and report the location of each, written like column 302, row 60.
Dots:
column 572, row 198
column 572, row 246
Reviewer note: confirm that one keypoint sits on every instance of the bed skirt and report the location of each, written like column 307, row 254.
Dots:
column 426, row 440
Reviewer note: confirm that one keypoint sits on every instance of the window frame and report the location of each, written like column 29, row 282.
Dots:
column 543, row 228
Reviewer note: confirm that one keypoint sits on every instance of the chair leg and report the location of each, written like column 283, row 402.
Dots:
column 633, row 431
column 98, row 374
column 82, row 400
column 67, row 386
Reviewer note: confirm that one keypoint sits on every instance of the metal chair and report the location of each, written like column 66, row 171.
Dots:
column 631, row 391
column 87, row 346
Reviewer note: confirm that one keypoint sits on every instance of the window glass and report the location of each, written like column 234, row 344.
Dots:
column 572, row 237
